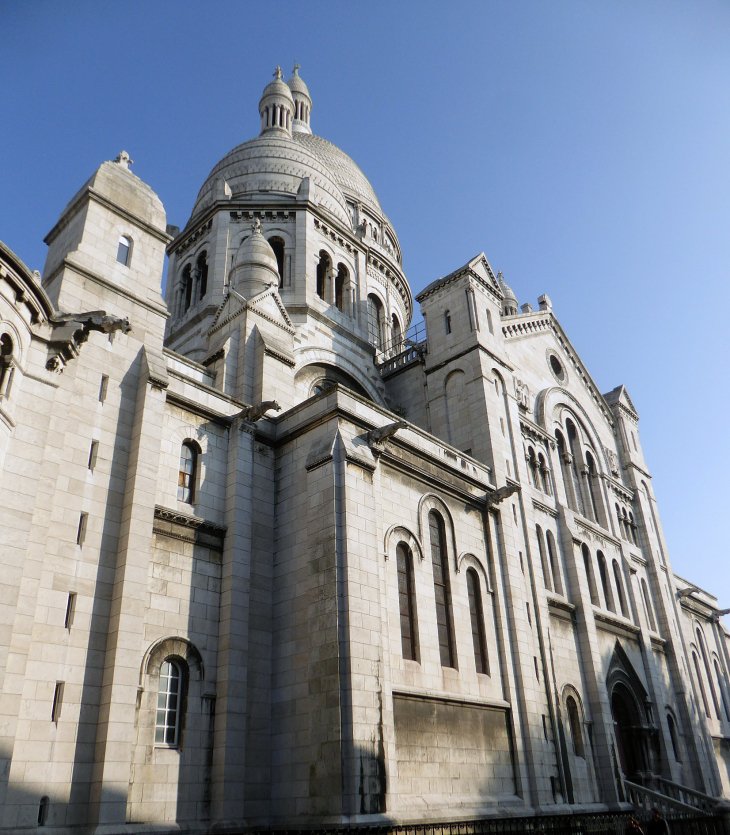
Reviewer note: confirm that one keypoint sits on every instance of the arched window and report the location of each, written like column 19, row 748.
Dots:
column 700, row 684
column 442, row 590
column 620, row 589
column 547, row 573
column 632, row 528
column 647, row 605
column 397, row 334
column 721, row 687
column 6, row 364
column 533, row 467
column 673, row 737
column 544, row 473
column 167, row 724
column 706, row 663
column 605, row 582
column 202, row 267
column 620, row 521
column 277, row 244
column 187, row 286
column 407, row 602
column 566, row 459
column 554, row 564
column 124, row 250
column 573, row 466
column 340, row 284
column 323, row 270
column 375, row 321
column 477, row 622
column 589, row 575
column 188, row 472
column 576, row 732
column 594, row 488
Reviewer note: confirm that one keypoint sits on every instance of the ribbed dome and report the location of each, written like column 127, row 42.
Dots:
column 278, row 87
column 254, row 267
column 296, row 85
column 508, row 294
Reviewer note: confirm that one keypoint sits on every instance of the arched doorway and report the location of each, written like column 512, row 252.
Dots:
column 627, row 727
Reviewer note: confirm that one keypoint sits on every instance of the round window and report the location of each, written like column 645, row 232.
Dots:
column 557, row 367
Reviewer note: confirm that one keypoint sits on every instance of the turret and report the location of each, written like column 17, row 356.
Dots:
column 254, row 267
column 276, row 106
column 302, row 103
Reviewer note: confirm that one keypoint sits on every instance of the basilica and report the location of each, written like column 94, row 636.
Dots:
column 273, row 558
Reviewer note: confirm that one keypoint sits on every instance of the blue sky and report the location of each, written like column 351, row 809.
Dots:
column 583, row 146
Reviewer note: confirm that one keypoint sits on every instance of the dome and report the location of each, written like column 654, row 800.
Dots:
column 278, row 87
column 509, row 304
column 254, row 267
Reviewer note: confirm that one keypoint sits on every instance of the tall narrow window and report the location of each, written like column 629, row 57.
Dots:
column 594, row 488
column 323, row 269
column 589, row 575
column 397, row 334
column 673, row 736
column 532, row 466
column 167, row 724
column 706, row 663
column 554, row 564
column 70, row 610
column 620, row 589
column 340, row 283
column 566, row 460
column 57, row 702
column 93, row 452
column 202, row 268
column 632, row 528
column 375, row 321
column 447, row 321
column 648, row 606
column 573, row 466
column 575, row 726
column 187, row 474
column 442, row 591
column 103, row 387
column 187, row 286
column 544, row 474
column 123, row 250
column 81, row 530
column 605, row 581
column 6, row 364
column 700, row 684
column 277, row 244
column 477, row 622
column 407, row 602
column 547, row 573
column 43, row 811
column 489, row 321
column 721, row 687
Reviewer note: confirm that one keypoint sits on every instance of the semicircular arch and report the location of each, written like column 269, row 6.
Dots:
column 399, row 533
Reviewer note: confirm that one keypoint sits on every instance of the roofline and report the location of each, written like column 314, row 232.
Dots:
column 27, row 276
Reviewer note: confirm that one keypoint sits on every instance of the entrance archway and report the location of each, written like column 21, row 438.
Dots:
column 627, row 727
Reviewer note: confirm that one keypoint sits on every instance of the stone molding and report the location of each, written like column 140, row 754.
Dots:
column 188, row 528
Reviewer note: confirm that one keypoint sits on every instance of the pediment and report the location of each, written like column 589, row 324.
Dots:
column 480, row 267
column 267, row 304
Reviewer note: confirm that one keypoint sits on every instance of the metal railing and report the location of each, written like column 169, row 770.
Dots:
column 396, row 345
column 599, row 823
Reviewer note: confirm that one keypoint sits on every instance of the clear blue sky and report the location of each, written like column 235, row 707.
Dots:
column 583, row 146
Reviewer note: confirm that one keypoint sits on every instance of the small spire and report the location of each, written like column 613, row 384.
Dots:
column 277, row 72
column 296, row 69
column 499, row 275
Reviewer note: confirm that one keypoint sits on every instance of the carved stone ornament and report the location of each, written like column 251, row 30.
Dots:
column 611, row 461
column 522, row 394
column 253, row 413
column 378, row 437
column 71, row 331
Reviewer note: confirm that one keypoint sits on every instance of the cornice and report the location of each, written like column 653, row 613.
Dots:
column 537, row 433
column 551, row 511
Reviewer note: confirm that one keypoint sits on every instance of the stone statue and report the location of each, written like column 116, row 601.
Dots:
column 502, row 493
column 377, row 437
column 253, row 413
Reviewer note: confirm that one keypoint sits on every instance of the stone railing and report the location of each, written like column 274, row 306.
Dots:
column 413, row 353
column 691, row 797
column 646, row 799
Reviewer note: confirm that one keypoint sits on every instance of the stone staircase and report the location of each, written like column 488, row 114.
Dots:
column 672, row 799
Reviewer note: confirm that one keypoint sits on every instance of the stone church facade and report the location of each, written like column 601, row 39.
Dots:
column 271, row 559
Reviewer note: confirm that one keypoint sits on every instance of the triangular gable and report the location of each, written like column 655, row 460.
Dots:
column 266, row 304
column 477, row 267
column 621, row 669
column 620, row 396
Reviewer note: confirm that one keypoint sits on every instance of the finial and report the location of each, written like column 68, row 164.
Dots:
column 256, row 227
column 296, row 69
column 499, row 275
column 277, row 72
column 124, row 160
